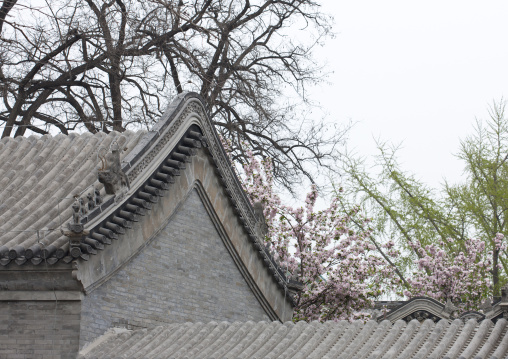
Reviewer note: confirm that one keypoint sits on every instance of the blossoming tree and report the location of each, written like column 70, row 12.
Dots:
column 343, row 272
column 461, row 276
column 340, row 269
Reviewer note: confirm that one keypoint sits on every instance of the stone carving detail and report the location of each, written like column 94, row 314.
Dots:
column 486, row 306
column 97, row 196
column 76, row 233
column 504, row 302
column 111, row 174
column 421, row 315
column 75, row 225
column 91, row 201
column 82, row 208
column 295, row 276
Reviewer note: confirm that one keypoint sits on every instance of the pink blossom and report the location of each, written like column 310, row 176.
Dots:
column 338, row 266
column 462, row 278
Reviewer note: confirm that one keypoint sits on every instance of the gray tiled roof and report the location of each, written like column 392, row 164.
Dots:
column 38, row 177
column 302, row 340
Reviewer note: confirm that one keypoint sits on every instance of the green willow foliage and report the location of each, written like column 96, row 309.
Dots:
column 408, row 211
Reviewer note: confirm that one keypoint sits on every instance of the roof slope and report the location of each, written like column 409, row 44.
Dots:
column 38, row 178
column 303, row 340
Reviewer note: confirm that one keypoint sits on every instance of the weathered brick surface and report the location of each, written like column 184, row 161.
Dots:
column 185, row 274
column 42, row 329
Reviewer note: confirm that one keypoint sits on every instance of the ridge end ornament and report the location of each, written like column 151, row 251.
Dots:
column 110, row 174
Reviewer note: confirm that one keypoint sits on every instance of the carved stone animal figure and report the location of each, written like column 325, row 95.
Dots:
column 91, row 201
column 97, row 196
column 113, row 178
column 75, row 225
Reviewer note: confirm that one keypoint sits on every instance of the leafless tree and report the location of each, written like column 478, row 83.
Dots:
column 112, row 64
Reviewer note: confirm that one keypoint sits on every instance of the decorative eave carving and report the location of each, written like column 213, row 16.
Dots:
column 472, row 314
column 261, row 225
column 114, row 215
column 76, row 232
column 499, row 309
column 420, row 308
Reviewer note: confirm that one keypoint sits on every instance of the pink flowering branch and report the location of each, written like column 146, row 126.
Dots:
column 340, row 269
column 339, row 264
column 461, row 276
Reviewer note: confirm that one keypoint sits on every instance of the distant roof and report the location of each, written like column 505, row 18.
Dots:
column 303, row 340
column 38, row 178
column 422, row 308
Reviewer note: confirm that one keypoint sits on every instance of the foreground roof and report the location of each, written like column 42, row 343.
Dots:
column 303, row 340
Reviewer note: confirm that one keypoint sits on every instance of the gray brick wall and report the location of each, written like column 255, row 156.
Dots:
column 185, row 274
column 42, row 329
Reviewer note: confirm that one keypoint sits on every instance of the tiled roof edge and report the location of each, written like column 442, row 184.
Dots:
column 156, row 131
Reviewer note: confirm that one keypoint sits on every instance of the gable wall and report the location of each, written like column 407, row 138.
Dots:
column 184, row 274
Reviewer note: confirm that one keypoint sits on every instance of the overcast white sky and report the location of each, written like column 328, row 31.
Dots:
column 417, row 72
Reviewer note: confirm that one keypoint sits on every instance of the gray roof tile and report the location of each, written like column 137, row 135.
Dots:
column 307, row 340
column 39, row 176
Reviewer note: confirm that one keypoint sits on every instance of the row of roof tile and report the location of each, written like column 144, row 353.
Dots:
column 38, row 178
column 302, row 340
